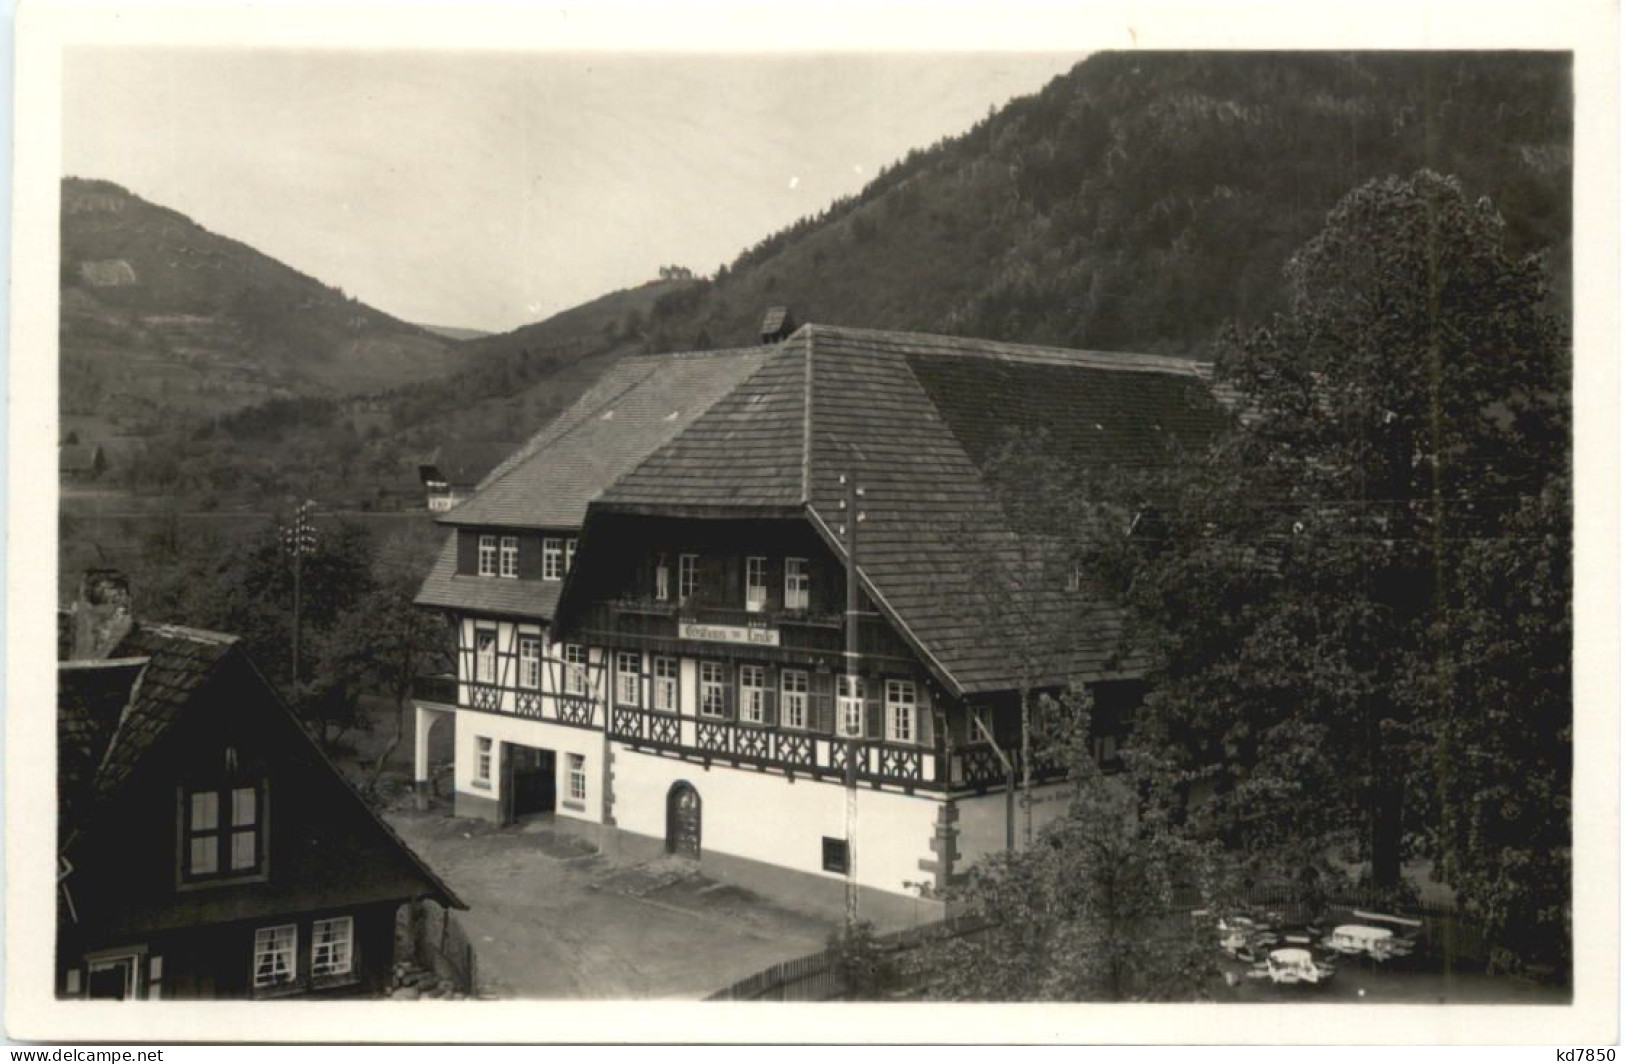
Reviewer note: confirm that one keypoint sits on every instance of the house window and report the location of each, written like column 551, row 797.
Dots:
column 900, row 707
column 332, row 946
column 552, row 559
column 578, row 778
column 276, row 953
column 850, row 706
column 628, row 678
column 662, row 579
column 795, row 583
column 793, row 686
column 665, row 692
column 485, row 655
column 688, row 576
column 753, row 694
column 835, row 855
column 575, row 669
column 569, row 554
column 222, row 832
column 713, row 689
column 755, row 584
column 979, row 725
column 510, row 556
column 530, row 662
column 488, row 556
column 482, row 759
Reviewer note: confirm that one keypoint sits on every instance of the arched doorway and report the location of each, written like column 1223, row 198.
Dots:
column 683, row 820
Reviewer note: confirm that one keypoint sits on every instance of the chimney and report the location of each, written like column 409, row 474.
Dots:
column 777, row 324
column 101, row 615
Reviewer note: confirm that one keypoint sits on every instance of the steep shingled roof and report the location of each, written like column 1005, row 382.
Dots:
column 917, row 419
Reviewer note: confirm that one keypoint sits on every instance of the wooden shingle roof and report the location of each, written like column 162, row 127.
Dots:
column 916, row 419
column 444, row 589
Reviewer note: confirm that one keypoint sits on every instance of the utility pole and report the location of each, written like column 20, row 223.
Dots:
column 851, row 703
column 298, row 539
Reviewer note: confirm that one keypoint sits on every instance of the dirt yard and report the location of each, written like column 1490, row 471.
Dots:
column 550, row 918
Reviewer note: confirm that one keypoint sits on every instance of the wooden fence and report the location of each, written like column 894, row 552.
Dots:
column 821, row 976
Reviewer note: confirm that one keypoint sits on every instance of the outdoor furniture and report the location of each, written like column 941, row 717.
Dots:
column 1293, row 966
column 1354, row 939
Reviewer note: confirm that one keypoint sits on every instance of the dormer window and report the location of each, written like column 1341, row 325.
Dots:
column 795, row 583
column 510, row 556
column 223, row 832
column 755, row 584
column 488, row 556
column 553, row 559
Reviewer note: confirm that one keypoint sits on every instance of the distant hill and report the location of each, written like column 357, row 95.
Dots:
column 451, row 332
column 160, row 317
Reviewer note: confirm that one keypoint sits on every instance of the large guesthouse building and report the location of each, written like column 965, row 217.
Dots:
column 656, row 627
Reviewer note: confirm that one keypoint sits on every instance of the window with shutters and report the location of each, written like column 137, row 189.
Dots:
column 753, row 694
column 223, row 832
column 688, row 576
column 662, row 579
column 713, row 689
column 485, row 655
column 488, row 556
column 900, row 710
column 510, row 556
column 276, row 956
column 552, row 559
column 849, row 706
column 628, row 677
column 575, row 669
column 795, row 584
column 755, row 584
column 665, row 684
column 530, row 662
column 793, row 698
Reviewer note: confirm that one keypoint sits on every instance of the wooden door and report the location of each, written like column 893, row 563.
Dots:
column 683, row 821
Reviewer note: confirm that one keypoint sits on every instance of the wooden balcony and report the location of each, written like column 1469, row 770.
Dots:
column 791, row 751
column 978, row 767
column 668, row 627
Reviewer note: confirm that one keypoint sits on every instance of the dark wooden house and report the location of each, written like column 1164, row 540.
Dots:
column 207, row 848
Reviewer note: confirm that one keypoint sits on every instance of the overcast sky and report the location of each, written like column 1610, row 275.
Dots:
column 490, row 190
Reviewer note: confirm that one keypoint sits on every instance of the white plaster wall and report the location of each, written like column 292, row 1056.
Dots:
column 522, row 731
column 765, row 817
column 982, row 820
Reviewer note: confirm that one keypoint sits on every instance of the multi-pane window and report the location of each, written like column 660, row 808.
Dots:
column 900, row 706
column 530, row 662
column 688, row 576
column 753, row 694
column 849, row 706
column 628, row 677
column 713, row 689
column 578, row 778
column 222, row 832
column 569, row 554
column 793, row 698
column 482, row 759
column 332, row 946
column 755, row 584
column 552, row 559
column 276, row 955
column 510, row 556
column 488, row 556
column 795, row 583
column 979, row 724
column 665, row 687
column 662, row 579
column 575, row 669
column 485, row 655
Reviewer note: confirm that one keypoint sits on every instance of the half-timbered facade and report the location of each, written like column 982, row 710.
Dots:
column 696, row 639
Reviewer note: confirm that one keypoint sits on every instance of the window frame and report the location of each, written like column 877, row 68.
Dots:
column 223, row 835
column 688, row 576
column 530, row 664
column 508, row 558
column 797, row 584
column 829, row 850
column 552, row 558
column 575, row 672
column 486, row 564
column 569, row 554
column 662, row 589
column 672, row 683
column 753, row 696
column 635, row 675
column 846, row 704
column 481, row 660
column 485, row 748
column 333, row 974
column 902, row 724
column 292, row 952
column 576, row 777
column 718, row 685
column 800, row 699
column 755, row 583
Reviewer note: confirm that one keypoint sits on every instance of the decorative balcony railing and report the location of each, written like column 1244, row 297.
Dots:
column 978, row 766
column 579, row 709
column 787, row 750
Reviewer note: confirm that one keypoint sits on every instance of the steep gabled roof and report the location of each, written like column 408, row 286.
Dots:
column 918, row 421
column 638, row 405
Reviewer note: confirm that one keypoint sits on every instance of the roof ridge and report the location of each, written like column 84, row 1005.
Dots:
column 1129, row 361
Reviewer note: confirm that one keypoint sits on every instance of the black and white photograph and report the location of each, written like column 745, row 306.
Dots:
column 1083, row 523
